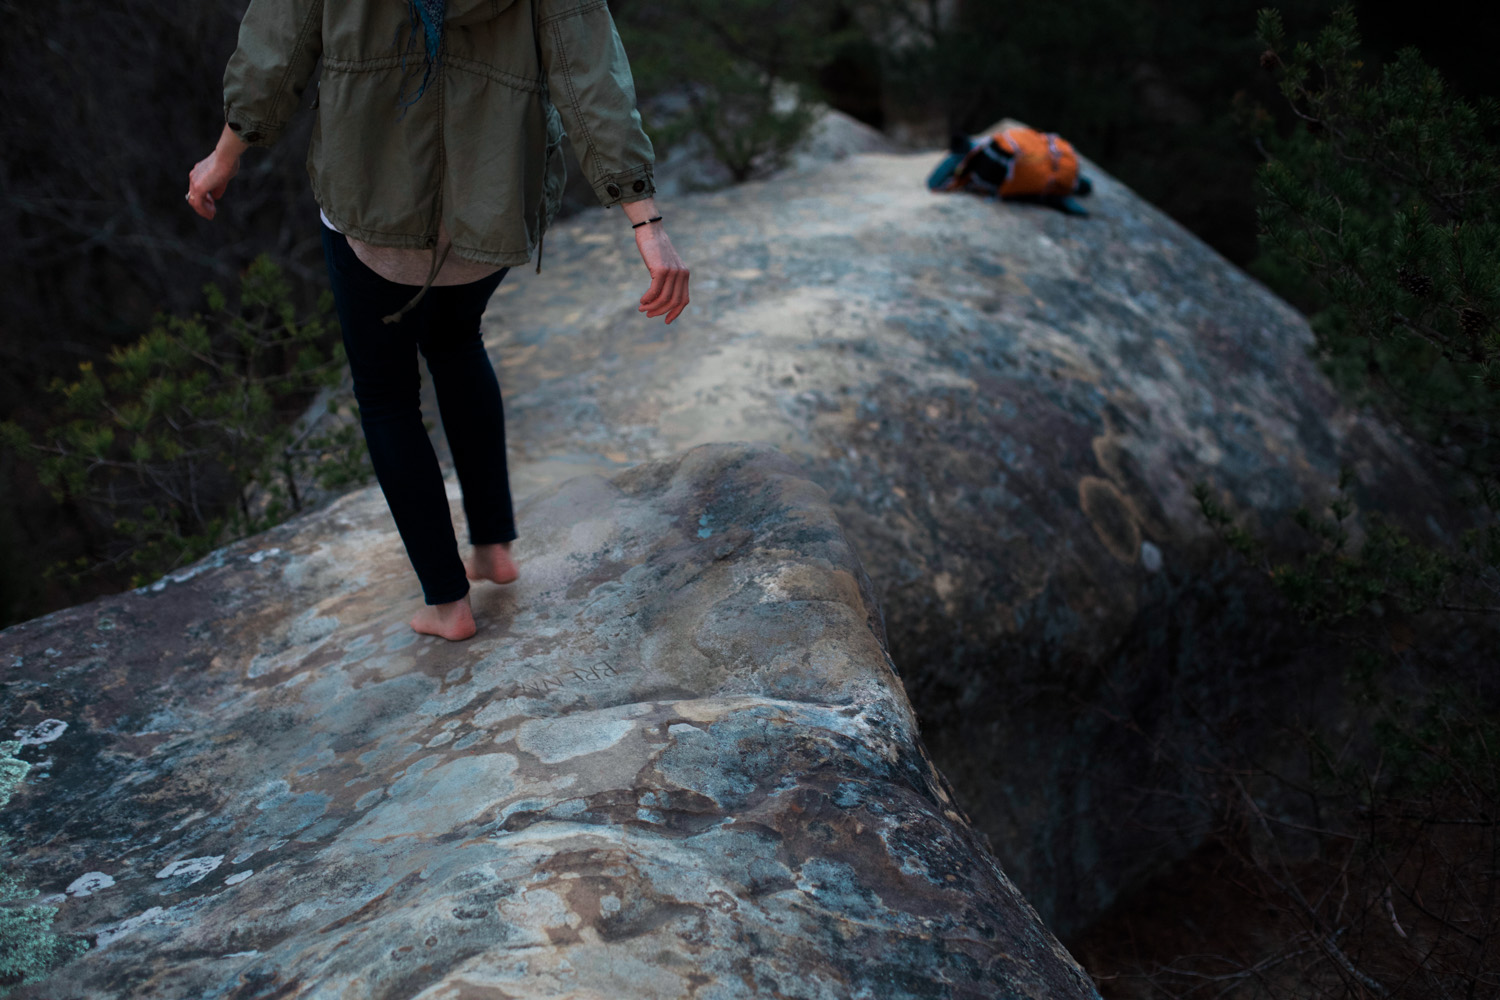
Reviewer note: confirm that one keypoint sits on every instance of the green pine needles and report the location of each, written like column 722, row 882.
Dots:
column 1380, row 216
column 1388, row 202
column 207, row 429
column 739, row 74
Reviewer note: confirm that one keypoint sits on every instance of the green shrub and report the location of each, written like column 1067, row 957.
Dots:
column 1386, row 199
column 189, row 438
column 741, row 71
column 1381, row 214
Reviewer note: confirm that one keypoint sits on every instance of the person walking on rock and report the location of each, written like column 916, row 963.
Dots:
column 436, row 164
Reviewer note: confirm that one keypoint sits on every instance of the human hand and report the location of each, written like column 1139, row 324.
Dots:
column 207, row 181
column 669, row 275
column 211, row 175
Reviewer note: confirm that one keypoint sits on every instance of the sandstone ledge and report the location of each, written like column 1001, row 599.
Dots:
column 675, row 762
column 1008, row 408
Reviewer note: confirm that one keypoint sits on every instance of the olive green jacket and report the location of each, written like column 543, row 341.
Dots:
column 479, row 151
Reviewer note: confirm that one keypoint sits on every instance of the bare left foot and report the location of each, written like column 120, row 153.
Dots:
column 454, row 620
column 492, row 562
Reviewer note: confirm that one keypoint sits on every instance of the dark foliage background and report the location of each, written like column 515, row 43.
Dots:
column 104, row 108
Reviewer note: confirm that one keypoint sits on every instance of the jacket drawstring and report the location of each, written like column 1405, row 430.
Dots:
column 437, row 265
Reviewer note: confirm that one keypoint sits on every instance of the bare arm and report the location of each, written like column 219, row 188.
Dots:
column 669, row 275
column 210, row 176
column 279, row 45
column 589, row 79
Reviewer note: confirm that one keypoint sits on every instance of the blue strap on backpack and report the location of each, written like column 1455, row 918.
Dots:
column 427, row 16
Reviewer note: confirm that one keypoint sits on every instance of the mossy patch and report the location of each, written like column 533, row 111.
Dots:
column 28, row 948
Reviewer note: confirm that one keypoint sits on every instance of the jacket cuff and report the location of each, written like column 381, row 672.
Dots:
column 625, row 185
column 251, row 132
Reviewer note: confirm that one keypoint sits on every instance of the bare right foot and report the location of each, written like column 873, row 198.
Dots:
column 453, row 621
column 493, row 563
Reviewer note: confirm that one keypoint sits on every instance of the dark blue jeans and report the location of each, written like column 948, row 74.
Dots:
column 444, row 326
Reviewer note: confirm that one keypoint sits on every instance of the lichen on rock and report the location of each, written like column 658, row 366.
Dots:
column 29, row 948
column 669, row 765
column 1008, row 408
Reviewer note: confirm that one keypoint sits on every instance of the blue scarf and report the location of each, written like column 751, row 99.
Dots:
column 426, row 16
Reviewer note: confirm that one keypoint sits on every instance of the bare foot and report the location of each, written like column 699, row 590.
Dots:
column 454, row 620
column 492, row 562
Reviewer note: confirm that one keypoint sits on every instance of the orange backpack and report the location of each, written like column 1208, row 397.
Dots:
column 1040, row 163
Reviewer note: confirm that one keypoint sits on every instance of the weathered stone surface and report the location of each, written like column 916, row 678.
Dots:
column 1008, row 407
column 675, row 762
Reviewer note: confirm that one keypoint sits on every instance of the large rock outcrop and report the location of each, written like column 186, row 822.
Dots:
column 1008, row 407
column 675, row 762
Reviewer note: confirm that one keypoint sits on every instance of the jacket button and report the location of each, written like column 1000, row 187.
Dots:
column 613, row 190
column 639, row 185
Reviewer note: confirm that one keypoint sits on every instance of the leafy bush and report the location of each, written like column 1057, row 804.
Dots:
column 737, row 73
column 1382, row 213
column 1387, row 201
column 187, row 441
column 1384, row 209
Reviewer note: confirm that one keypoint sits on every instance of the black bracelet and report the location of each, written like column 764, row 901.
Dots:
column 654, row 218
